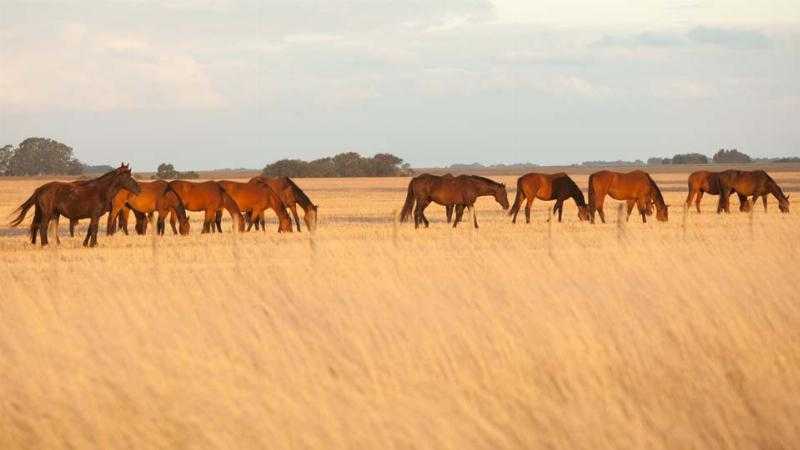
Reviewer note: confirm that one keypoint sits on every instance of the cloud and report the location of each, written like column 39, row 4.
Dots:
column 81, row 69
column 729, row 38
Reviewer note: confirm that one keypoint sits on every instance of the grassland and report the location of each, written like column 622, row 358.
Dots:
column 370, row 334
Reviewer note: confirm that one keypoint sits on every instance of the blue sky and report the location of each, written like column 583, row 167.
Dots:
column 232, row 83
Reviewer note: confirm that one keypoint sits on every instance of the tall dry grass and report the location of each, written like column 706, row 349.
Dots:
column 370, row 335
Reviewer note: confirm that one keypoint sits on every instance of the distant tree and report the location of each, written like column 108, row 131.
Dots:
column 286, row 168
column 789, row 159
column 656, row 161
column 6, row 153
column 42, row 156
column 348, row 164
column 100, row 168
column 732, row 156
column 690, row 158
column 190, row 175
column 166, row 171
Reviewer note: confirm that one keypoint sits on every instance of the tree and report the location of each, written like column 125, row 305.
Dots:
column 348, row 164
column 286, row 168
column 166, row 172
column 732, row 156
column 40, row 156
column 6, row 153
column 690, row 158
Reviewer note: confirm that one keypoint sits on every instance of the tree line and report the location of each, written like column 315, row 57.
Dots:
column 348, row 164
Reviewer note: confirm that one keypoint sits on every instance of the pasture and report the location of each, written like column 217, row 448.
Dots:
column 369, row 334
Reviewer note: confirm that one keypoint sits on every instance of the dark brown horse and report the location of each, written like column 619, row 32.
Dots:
column 209, row 197
column 746, row 183
column 255, row 198
column 703, row 181
column 558, row 187
column 635, row 187
column 90, row 199
column 291, row 195
column 154, row 196
column 460, row 192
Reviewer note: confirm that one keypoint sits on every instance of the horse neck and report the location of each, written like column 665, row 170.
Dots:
column 577, row 195
column 776, row 190
column 483, row 187
column 658, row 199
column 108, row 185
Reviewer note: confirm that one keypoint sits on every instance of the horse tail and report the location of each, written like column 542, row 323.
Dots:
column 405, row 213
column 24, row 208
column 517, row 198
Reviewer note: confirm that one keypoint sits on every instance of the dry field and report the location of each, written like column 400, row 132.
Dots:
column 372, row 335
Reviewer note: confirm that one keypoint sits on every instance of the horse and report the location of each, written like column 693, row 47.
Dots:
column 90, row 199
column 255, row 198
column 460, row 192
column 291, row 195
column 745, row 183
column 558, row 187
column 209, row 197
column 703, row 181
column 154, row 196
column 636, row 187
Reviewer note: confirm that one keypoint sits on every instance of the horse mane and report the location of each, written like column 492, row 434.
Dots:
column 299, row 195
column 485, row 180
column 577, row 194
column 773, row 186
column 659, row 199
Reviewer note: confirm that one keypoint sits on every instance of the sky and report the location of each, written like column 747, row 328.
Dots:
column 241, row 83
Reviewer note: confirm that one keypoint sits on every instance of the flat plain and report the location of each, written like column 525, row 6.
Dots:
column 370, row 334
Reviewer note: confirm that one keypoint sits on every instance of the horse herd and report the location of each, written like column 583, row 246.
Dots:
column 118, row 194
column 635, row 188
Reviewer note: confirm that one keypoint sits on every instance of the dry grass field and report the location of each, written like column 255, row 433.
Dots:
column 368, row 334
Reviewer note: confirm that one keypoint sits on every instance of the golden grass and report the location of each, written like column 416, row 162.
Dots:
column 368, row 335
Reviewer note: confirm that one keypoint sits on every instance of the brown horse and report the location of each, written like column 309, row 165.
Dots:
column 209, row 197
column 154, row 196
column 90, row 199
column 460, row 192
column 745, row 183
column 558, row 187
column 291, row 195
column 255, row 198
column 703, row 181
column 635, row 187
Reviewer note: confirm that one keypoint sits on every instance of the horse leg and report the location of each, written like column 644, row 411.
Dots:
column 474, row 217
column 172, row 222
column 422, row 205
column 643, row 207
column 459, row 215
column 630, row 208
column 529, row 202
column 764, row 200
column 34, row 228
column 54, row 223
column 560, row 207
column 44, row 222
column 697, row 200
column 599, row 207
column 92, row 235
column 689, row 198
column 294, row 214
column 448, row 211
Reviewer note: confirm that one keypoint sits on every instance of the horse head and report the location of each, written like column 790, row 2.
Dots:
column 583, row 212
column 501, row 196
column 310, row 218
column 662, row 212
column 125, row 178
column 783, row 204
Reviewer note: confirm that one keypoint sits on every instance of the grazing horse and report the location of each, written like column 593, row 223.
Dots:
column 209, row 197
column 745, row 183
column 291, row 195
column 154, row 196
column 635, row 187
column 558, row 187
column 90, row 199
column 254, row 199
column 703, row 181
column 460, row 191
